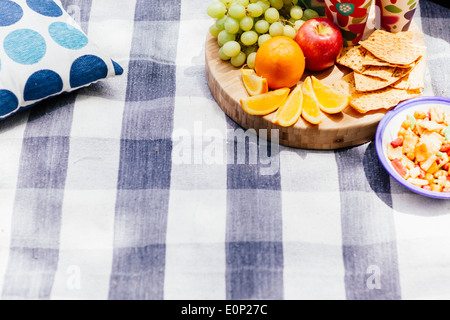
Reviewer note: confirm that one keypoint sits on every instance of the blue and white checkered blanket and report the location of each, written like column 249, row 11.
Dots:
column 133, row 188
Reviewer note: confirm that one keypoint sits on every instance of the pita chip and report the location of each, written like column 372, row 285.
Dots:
column 394, row 48
column 415, row 79
column 369, row 83
column 352, row 57
column 364, row 102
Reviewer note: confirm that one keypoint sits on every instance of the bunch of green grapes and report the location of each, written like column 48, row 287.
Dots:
column 242, row 26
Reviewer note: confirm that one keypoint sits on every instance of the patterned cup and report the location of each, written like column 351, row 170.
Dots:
column 395, row 15
column 351, row 17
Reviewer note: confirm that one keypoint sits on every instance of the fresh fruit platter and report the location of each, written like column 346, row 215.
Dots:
column 279, row 65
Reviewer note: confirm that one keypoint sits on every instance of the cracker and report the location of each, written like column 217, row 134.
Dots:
column 352, row 57
column 371, row 60
column 364, row 102
column 394, row 48
column 415, row 79
column 345, row 85
column 386, row 98
column 381, row 72
column 369, row 83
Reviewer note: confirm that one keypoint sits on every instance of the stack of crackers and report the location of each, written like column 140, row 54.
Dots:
column 387, row 68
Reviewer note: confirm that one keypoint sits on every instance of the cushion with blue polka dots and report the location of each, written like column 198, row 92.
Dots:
column 43, row 53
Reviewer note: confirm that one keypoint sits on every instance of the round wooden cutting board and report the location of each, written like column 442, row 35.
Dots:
column 346, row 129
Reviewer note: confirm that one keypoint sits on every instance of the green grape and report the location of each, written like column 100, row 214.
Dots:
column 251, row 49
column 276, row 29
column 216, row 10
column 277, row 4
column 309, row 14
column 251, row 60
column 298, row 24
column 236, row 11
column 243, row 2
column 296, row 12
column 249, row 38
column 262, row 26
column 224, row 37
column 227, row 3
column 254, row 10
column 264, row 4
column 232, row 25
column 246, row 23
column 289, row 32
column 220, row 23
column 231, row 48
column 242, row 26
column 239, row 60
column 214, row 31
column 222, row 55
column 263, row 38
column 271, row 15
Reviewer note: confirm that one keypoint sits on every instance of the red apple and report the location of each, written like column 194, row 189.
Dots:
column 321, row 42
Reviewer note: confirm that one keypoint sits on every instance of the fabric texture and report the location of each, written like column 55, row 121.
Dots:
column 45, row 53
column 139, row 188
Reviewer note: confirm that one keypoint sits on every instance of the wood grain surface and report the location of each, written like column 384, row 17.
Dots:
column 346, row 129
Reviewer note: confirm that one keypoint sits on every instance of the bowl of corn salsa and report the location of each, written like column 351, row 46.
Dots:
column 413, row 145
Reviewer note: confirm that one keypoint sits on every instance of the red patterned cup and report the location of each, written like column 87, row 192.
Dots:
column 351, row 17
column 395, row 15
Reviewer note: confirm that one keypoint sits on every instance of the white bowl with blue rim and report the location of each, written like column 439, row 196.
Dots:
column 388, row 129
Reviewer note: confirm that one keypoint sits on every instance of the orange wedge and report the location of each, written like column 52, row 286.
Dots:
column 253, row 83
column 290, row 111
column 264, row 103
column 311, row 106
column 330, row 100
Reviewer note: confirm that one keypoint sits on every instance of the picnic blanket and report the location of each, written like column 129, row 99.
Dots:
column 135, row 188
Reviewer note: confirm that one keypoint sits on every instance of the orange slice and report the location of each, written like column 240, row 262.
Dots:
column 253, row 83
column 290, row 111
column 330, row 100
column 311, row 106
column 264, row 103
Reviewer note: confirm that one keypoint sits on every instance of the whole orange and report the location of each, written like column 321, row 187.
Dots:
column 281, row 61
